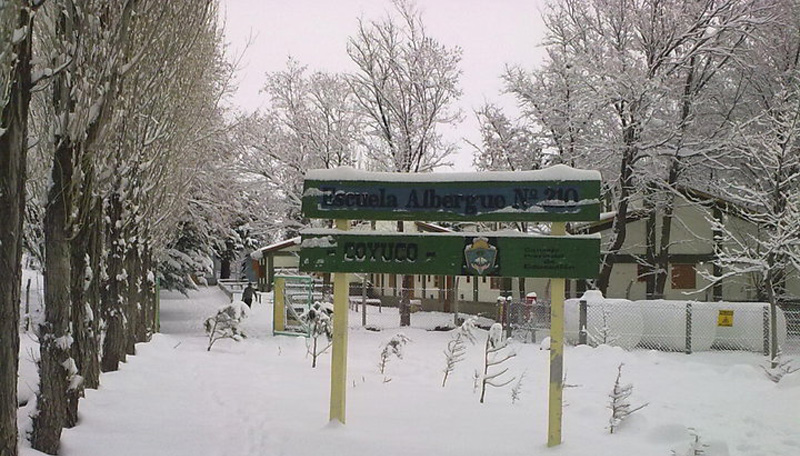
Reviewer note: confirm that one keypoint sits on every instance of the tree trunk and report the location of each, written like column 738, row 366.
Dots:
column 113, row 299
column 225, row 269
column 54, row 334
column 619, row 229
column 13, row 151
column 132, row 293
column 85, row 296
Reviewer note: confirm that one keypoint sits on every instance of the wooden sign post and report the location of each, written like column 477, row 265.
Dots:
column 559, row 194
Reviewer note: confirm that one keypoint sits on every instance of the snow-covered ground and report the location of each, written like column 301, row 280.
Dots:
column 261, row 397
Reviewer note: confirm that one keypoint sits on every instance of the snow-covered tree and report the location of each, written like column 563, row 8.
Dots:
column 457, row 348
column 319, row 322
column 496, row 352
column 619, row 405
column 505, row 145
column 225, row 324
column 406, row 85
column 393, row 347
column 763, row 188
column 16, row 83
column 629, row 88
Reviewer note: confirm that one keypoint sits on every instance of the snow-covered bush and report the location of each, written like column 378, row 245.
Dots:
column 696, row 447
column 495, row 354
column 393, row 347
column 225, row 323
column 516, row 390
column 456, row 348
column 319, row 322
column 619, row 405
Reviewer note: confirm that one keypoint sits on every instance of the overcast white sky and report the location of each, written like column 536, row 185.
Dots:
column 491, row 33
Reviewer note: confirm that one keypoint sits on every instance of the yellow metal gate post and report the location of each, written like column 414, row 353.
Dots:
column 557, row 290
column 339, row 353
column 278, row 306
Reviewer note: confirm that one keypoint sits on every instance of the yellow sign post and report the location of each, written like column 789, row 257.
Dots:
column 339, row 353
column 557, row 289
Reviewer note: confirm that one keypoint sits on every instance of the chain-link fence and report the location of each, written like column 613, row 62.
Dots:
column 687, row 326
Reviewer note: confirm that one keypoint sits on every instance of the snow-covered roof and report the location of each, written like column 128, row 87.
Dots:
column 553, row 173
column 259, row 254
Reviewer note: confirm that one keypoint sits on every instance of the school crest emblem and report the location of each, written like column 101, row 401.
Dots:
column 480, row 256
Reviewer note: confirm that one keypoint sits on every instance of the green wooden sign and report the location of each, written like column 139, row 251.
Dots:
column 555, row 194
column 481, row 254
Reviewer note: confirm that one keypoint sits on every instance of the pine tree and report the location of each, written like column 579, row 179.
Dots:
column 456, row 348
column 494, row 355
column 619, row 405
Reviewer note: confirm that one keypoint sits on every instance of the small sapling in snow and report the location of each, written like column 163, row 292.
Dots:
column 696, row 447
column 516, row 390
column 319, row 322
column 619, row 405
column 494, row 355
column 225, row 324
column 602, row 335
column 456, row 348
column 393, row 347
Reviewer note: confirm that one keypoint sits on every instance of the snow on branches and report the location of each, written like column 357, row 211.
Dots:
column 619, row 405
column 319, row 321
column 495, row 354
column 225, row 323
column 456, row 348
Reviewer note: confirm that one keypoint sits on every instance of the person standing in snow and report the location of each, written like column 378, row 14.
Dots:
column 248, row 293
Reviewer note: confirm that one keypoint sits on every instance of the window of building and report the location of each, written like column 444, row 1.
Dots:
column 496, row 283
column 641, row 273
column 437, row 281
column 684, row 277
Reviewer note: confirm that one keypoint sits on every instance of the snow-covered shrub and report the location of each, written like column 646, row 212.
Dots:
column 393, row 347
column 696, row 447
column 495, row 354
column 225, row 323
column 619, row 405
column 456, row 348
column 516, row 390
column 319, row 322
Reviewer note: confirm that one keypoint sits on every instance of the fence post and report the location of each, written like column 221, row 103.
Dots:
column 364, row 301
column 688, row 328
column 765, row 324
column 582, row 322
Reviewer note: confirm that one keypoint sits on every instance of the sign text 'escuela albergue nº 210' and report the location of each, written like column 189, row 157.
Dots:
column 556, row 194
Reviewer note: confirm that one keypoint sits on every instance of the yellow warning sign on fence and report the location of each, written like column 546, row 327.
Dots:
column 725, row 318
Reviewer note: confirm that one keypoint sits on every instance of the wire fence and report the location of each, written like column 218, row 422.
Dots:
column 687, row 326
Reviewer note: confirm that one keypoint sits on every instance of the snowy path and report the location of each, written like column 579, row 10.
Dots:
column 261, row 397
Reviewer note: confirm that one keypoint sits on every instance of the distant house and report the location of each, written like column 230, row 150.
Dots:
column 691, row 254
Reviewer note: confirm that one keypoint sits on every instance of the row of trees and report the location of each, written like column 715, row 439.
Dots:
column 120, row 167
column 111, row 130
